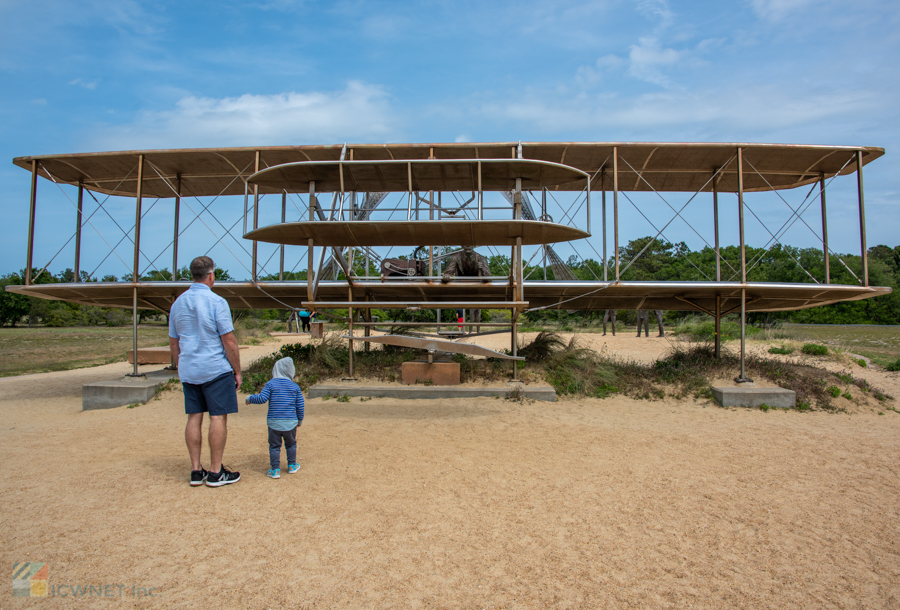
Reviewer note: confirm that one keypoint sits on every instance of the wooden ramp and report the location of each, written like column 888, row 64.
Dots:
column 435, row 345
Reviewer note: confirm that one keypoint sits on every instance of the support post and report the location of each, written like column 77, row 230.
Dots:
column 718, row 327
column 480, row 195
column 29, row 255
column 78, row 217
column 824, row 229
column 715, row 191
column 603, row 203
column 255, row 215
column 743, row 378
column 310, row 296
column 410, row 192
column 862, row 219
column 588, row 204
column 177, row 219
column 616, row 206
column 137, row 275
column 283, row 219
column 350, row 312
column 137, row 225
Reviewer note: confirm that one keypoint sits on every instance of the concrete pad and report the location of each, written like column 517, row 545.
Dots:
column 755, row 397
column 151, row 355
column 545, row 393
column 438, row 373
column 124, row 390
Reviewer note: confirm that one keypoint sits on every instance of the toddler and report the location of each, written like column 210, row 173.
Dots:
column 285, row 414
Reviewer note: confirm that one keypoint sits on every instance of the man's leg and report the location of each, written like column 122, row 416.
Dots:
column 218, row 434
column 193, row 438
column 612, row 319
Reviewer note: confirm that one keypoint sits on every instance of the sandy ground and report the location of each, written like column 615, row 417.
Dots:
column 456, row 504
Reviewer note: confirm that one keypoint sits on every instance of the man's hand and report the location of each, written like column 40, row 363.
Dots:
column 237, row 380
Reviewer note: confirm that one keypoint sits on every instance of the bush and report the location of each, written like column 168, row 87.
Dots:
column 781, row 350
column 893, row 366
column 814, row 349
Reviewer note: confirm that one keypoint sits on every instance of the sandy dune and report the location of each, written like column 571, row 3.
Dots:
column 457, row 504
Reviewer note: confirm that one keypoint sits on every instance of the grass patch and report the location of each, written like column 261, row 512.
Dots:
column 44, row 349
column 814, row 349
column 893, row 366
column 880, row 344
column 781, row 350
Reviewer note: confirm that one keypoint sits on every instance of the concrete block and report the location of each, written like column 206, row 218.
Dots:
column 151, row 355
column 420, row 392
column 438, row 373
column 316, row 330
column 123, row 391
column 755, row 397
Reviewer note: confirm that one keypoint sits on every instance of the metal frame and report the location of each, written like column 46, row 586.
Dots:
column 516, row 301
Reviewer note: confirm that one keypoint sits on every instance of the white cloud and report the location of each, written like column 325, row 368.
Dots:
column 462, row 138
column 83, row 83
column 657, row 9
column 360, row 112
column 776, row 10
column 648, row 57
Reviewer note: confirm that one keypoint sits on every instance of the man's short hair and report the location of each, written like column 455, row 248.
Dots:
column 201, row 267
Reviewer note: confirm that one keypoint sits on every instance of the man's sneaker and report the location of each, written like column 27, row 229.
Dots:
column 198, row 477
column 292, row 468
column 226, row 477
column 274, row 473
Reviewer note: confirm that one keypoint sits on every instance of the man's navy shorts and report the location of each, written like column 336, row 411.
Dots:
column 216, row 396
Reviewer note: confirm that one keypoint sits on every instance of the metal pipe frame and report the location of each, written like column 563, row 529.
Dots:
column 862, row 219
column 418, row 304
column 78, row 217
column 29, row 255
column 480, row 195
column 824, row 229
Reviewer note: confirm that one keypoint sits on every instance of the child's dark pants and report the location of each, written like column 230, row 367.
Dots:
column 290, row 444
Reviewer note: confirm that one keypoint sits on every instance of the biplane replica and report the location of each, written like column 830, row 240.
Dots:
column 355, row 201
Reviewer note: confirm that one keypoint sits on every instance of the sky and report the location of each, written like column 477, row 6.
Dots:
column 99, row 75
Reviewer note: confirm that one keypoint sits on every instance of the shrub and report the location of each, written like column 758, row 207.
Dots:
column 834, row 391
column 781, row 350
column 860, row 362
column 893, row 366
column 814, row 349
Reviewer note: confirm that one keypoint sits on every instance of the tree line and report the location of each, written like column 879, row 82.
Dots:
column 642, row 259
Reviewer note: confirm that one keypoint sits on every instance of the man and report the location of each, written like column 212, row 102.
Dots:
column 205, row 350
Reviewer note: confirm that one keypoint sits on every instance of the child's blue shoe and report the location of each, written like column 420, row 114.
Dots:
column 274, row 473
column 292, row 468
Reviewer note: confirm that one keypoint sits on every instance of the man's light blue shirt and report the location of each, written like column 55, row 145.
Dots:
column 197, row 319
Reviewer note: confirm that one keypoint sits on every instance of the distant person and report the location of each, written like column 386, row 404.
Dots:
column 205, row 350
column 304, row 315
column 609, row 315
column 285, row 413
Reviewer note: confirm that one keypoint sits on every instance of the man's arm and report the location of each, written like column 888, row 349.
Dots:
column 233, row 353
column 175, row 348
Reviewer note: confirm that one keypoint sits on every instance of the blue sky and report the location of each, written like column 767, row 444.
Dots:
column 123, row 74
